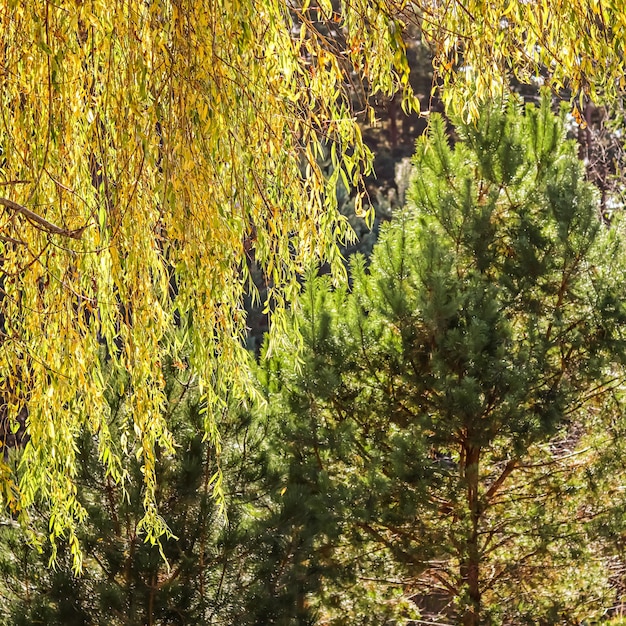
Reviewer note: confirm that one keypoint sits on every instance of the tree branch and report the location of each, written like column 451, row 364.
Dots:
column 510, row 466
column 40, row 221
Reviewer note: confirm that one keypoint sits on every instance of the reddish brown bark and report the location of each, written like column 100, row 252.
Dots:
column 470, row 564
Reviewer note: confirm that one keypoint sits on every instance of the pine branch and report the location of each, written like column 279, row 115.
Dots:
column 495, row 487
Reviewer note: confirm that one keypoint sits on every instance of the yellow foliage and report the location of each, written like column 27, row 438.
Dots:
column 143, row 145
column 147, row 147
column 478, row 46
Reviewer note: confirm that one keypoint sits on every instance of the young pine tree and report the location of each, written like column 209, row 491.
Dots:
column 445, row 398
column 211, row 561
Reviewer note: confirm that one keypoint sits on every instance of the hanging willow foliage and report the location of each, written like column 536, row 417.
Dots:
column 149, row 147
column 478, row 46
column 146, row 149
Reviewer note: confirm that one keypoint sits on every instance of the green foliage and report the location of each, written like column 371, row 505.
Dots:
column 440, row 413
column 201, row 572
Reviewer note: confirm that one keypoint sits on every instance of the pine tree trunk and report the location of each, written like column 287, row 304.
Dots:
column 470, row 564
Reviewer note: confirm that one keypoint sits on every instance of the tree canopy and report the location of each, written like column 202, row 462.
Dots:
column 150, row 151
column 578, row 46
column 451, row 399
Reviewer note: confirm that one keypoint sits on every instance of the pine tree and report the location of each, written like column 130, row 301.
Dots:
column 204, row 568
column 440, row 414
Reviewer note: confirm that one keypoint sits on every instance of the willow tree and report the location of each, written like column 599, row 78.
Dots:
column 148, row 149
column 574, row 45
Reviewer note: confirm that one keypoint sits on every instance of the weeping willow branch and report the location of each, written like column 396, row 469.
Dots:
column 41, row 222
